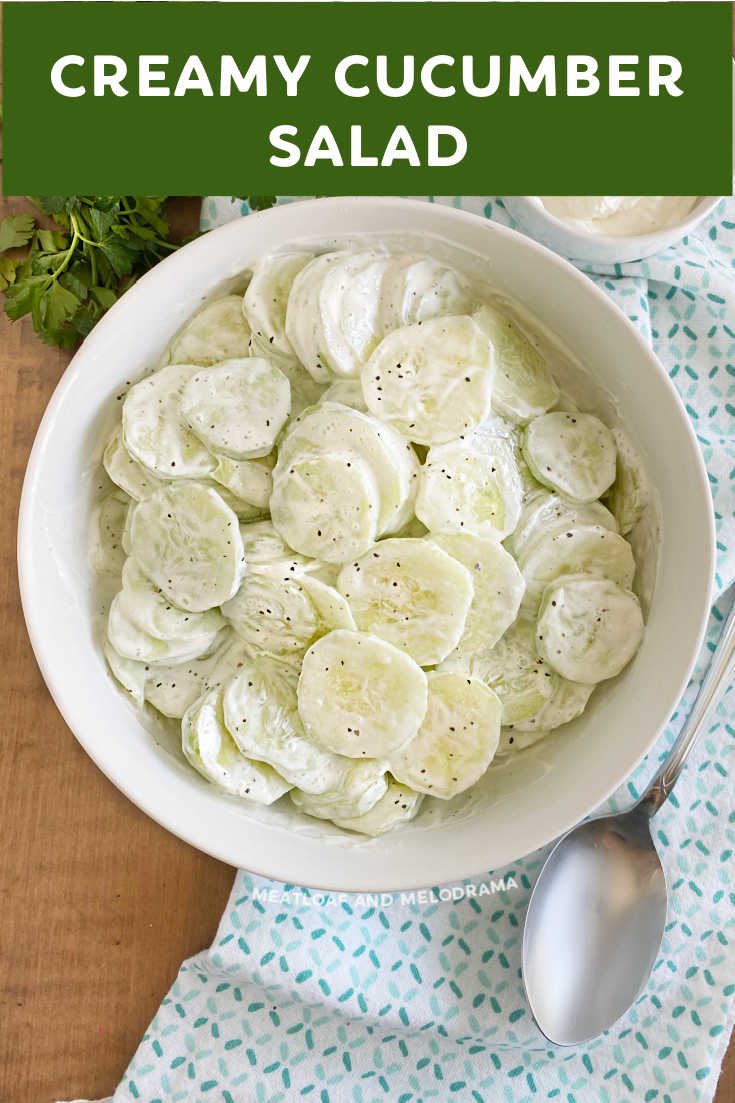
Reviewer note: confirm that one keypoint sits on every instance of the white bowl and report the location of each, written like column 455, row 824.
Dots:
column 573, row 242
column 540, row 793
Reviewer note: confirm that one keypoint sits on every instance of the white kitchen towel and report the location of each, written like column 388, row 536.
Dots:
column 418, row 997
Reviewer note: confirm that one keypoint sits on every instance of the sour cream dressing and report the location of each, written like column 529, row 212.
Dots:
column 620, row 215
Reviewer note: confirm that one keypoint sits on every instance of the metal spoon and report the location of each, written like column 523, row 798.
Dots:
column 597, row 912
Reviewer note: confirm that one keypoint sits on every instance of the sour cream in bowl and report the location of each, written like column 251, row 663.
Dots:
column 608, row 229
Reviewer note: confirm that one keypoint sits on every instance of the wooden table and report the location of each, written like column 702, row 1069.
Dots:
column 100, row 905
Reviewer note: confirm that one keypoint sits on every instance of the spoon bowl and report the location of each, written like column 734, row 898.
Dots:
column 595, row 928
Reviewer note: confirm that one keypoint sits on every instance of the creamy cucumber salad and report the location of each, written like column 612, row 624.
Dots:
column 360, row 543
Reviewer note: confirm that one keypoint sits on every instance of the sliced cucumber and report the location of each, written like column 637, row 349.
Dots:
column 431, row 381
column 568, row 702
column 513, row 669
column 545, row 513
column 513, row 740
column 572, row 453
column 131, row 642
column 261, row 713
column 456, row 741
column 154, row 429
column 210, row 749
column 218, row 332
column 417, row 289
column 349, row 299
column 411, row 593
column 172, row 689
column 358, row 789
column 303, row 316
column 106, row 531
column 125, row 471
column 249, row 480
column 348, row 392
column 237, row 407
column 498, row 587
column 150, row 611
column 130, row 674
column 262, row 544
column 282, row 612
column 629, row 494
column 524, row 386
column 360, row 696
column 588, row 628
column 579, row 549
column 331, row 427
column 265, row 300
column 326, row 505
column 397, row 806
column 471, row 485
column 187, row 540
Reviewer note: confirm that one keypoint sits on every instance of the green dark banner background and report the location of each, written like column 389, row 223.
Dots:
column 531, row 143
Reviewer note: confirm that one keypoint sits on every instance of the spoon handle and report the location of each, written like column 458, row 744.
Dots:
column 718, row 676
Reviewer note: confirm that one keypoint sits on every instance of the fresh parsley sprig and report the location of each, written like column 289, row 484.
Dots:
column 72, row 274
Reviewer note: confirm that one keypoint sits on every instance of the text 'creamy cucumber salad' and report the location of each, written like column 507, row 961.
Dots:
column 360, row 542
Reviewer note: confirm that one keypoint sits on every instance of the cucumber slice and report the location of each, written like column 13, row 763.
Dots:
column 456, row 741
column 571, row 453
column 568, row 702
column 524, row 387
column 281, row 612
column 360, row 696
column 244, row 511
column 131, row 642
column 579, row 549
column 106, row 531
column 348, row 392
column 130, row 674
column 261, row 713
column 125, row 471
column 248, row 480
column 629, row 494
column 471, row 485
column 431, row 381
column 172, row 689
column 349, row 299
column 237, row 407
column 151, row 612
column 412, row 594
column 265, row 300
column 417, row 289
column 399, row 805
column 210, row 749
column 513, row 669
column 217, row 332
column 512, row 740
column 331, row 427
column 154, row 430
column 358, row 789
column 545, row 513
column 326, row 505
column 187, row 540
column 263, row 545
column 498, row 587
column 303, row 317
column 588, row 628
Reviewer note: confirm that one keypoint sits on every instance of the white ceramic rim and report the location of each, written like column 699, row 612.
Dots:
column 184, row 812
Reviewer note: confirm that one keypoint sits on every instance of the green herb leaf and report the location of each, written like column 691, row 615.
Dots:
column 73, row 274
column 15, row 230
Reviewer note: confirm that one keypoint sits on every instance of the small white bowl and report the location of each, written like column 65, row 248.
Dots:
column 577, row 244
column 540, row 793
